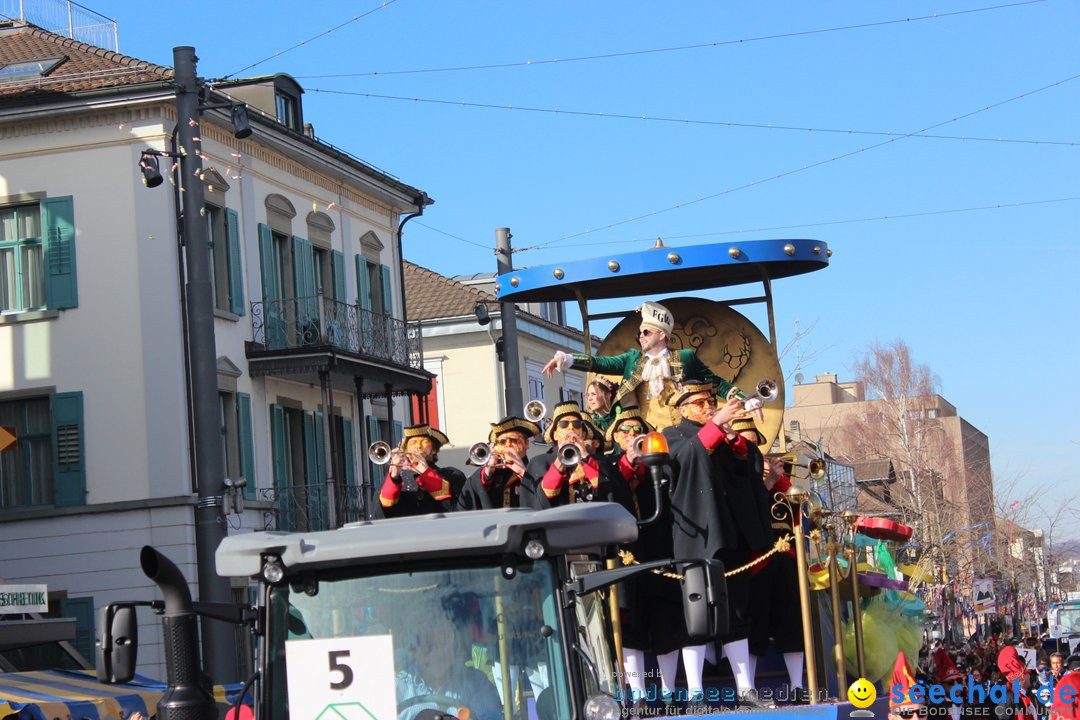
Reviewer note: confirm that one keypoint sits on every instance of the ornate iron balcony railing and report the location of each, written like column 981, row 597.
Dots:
column 305, row 508
column 319, row 321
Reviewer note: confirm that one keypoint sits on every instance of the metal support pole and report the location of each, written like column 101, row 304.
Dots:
column 796, row 500
column 365, row 467
column 838, row 634
column 218, row 638
column 328, row 448
column 389, row 412
column 508, row 312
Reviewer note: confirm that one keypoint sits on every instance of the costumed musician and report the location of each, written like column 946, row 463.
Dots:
column 414, row 484
column 652, row 374
column 590, row 478
column 503, row 480
column 704, row 449
column 651, row 617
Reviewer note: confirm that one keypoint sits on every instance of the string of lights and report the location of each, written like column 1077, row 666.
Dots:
column 824, row 223
column 691, row 121
column 802, row 168
column 680, row 48
column 324, row 33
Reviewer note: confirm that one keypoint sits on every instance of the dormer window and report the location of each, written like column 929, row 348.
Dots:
column 287, row 106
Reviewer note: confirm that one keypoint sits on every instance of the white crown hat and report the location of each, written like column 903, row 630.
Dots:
column 657, row 316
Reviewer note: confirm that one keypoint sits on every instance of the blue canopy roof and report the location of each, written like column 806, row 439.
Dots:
column 664, row 270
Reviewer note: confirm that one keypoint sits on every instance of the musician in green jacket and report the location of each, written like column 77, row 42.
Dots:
column 651, row 375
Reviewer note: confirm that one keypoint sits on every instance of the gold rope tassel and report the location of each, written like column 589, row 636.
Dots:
column 782, row 544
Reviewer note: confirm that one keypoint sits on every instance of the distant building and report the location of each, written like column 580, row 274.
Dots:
column 463, row 355
column 314, row 355
column 823, row 411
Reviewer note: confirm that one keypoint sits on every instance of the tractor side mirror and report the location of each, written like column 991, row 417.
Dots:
column 705, row 601
column 117, row 644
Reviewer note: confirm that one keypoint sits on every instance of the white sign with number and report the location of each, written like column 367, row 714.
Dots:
column 350, row 678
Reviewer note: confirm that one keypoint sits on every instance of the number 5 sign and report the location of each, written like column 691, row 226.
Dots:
column 350, row 678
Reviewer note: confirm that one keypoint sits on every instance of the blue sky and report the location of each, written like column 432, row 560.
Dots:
column 986, row 297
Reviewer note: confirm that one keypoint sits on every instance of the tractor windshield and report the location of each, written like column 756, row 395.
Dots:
column 394, row 644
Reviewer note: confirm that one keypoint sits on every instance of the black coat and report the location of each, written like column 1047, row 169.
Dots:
column 415, row 500
column 610, row 485
column 701, row 519
column 749, row 501
column 475, row 495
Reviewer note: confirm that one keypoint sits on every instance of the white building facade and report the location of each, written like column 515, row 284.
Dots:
column 314, row 357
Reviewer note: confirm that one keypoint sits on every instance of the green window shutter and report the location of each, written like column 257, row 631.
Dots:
column 247, row 444
column 363, row 284
column 337, row 269
column 279, row 448
column 58, row 221
column 82, row 609
column 387, row 291
column 398, row 432
column 69, row 449
column 307, row 310
column 375, row 471
column 236, row 272
column 348, row 453
column 268, row 265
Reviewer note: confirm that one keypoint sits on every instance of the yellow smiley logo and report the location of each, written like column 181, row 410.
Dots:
column 862, row 693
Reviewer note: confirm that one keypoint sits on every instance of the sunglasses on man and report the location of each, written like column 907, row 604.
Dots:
column 635, row 429
column 576, row 424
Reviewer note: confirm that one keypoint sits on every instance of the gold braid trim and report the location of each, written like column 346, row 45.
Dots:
column 628, row 559
column 781, row 545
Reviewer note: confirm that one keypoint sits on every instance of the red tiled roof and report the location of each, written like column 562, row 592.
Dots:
column 86, row 67
column 429, row 295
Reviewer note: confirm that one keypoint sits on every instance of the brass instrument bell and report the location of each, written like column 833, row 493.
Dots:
column 379, row 452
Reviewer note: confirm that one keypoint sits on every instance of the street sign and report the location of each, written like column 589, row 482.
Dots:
column 22, row 599
column 7, row 437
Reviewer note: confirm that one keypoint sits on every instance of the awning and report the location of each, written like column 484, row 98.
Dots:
column 77, row 695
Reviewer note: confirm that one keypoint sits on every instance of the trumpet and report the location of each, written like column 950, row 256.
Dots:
column 569, row 455
column 767, row 391
column 535, row 410
column 480, row 452
column 379, row 452
column 815, row 469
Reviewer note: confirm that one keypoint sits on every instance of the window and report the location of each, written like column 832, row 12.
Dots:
column 37, row 256
column 29, row 68
column 238, row 459
column 226, row 275
column 374, row 287
column 22, row 255
column 553, row 311
column 299, row 465
column 45, row 467
column 288, row 110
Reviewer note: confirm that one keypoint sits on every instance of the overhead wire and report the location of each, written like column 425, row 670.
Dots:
column 679, row 48
column 451, row 235
column 690, row 121
column 324, row 33
column 824, row 223
column 803, row 168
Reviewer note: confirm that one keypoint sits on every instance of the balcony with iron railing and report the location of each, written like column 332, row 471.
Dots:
column 309, row 335
column 300, row 508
